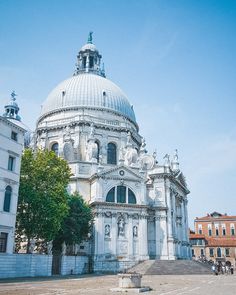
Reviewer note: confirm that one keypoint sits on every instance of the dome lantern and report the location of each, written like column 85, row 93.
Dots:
column 12, row 109
column 89, row 59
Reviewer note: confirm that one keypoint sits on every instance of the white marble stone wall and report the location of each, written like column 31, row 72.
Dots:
column 74, row 265
column 25, row 265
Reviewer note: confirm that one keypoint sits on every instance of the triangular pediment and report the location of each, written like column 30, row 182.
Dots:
column 121, row 172
column 180, row 177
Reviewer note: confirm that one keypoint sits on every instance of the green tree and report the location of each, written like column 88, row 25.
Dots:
column 77, row 224
column 42, row 203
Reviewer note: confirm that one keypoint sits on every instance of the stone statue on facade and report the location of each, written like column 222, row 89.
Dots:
column 131, row 154
column 167, row 160
column 92, row 146
column 107, row 230
column 135, row 231
column 121, row 227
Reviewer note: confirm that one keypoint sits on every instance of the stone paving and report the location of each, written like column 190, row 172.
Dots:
column 91, row 284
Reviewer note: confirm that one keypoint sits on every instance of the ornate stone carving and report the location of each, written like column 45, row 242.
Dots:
column 167, row 160
column 107, row 230
column 68, row 151
column 121, row 227
column 92, row 147
column 108, row 214
column 135, row 231
column 146, row 162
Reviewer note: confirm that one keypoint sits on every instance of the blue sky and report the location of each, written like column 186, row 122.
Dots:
column 175, row 60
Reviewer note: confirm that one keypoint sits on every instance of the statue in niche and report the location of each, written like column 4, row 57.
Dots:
column 121, row 228
column 68, row 151
column 107, row 230
column 157, row 196
column 135, row 231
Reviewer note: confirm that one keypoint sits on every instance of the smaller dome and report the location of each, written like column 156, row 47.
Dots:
column 89, row 46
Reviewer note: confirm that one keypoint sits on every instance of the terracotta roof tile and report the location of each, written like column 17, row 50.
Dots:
column 196, row 236
column 224, row 242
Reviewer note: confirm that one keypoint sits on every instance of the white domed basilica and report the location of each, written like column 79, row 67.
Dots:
column 140, row 206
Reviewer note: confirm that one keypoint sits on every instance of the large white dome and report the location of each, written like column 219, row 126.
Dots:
column 88, row 91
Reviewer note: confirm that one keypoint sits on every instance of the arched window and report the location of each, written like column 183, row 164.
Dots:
column 111, row 195
column 54, row 148
column 7, row 199
column 131, row 197
column 121, row 194
column 111, row 153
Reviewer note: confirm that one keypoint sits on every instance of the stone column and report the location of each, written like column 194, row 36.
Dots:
column 158, row 237
column 130, row 237
column 87, row 63
column 99, row 236
column 174, row 215
column 169, row 233
column 113, row 234
column 143, row 247
column 163, row 227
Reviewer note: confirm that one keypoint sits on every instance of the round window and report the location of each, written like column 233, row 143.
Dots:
column 122, row 172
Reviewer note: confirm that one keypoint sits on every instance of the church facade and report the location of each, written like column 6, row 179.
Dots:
column 140, row 206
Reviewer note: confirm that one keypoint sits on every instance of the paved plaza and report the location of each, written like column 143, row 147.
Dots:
column 91, row 284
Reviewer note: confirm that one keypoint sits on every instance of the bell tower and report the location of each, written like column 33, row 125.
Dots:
column 12, row 109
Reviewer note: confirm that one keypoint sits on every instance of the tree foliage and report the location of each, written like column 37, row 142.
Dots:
column 42, row 203
column 77, row 224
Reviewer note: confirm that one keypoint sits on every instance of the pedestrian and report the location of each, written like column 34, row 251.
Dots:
column 232, row 270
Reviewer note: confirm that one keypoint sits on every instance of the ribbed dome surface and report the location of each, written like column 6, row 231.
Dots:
column 88, row 90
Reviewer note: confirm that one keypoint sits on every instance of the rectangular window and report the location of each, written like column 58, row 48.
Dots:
column 202, row 252
column 211, row 252
column 3, row 242
column 227, row 252
column 193, row 255
column 84, row 62
column 217, row 232
column 223, row 231
column 11, row 163
column 232, row 231
column 199, row 229
column 209, row 232
column 14, row 135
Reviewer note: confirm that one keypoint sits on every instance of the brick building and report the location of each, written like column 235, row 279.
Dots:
column 214, row 238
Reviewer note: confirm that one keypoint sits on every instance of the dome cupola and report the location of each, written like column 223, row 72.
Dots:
column 89, row 59
column 12, row 109
column 88, row 89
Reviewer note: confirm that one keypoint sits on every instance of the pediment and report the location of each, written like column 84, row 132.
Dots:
column 121, row 172
column 181, row 178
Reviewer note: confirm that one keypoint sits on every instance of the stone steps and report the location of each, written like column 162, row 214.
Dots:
column 171, row 267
